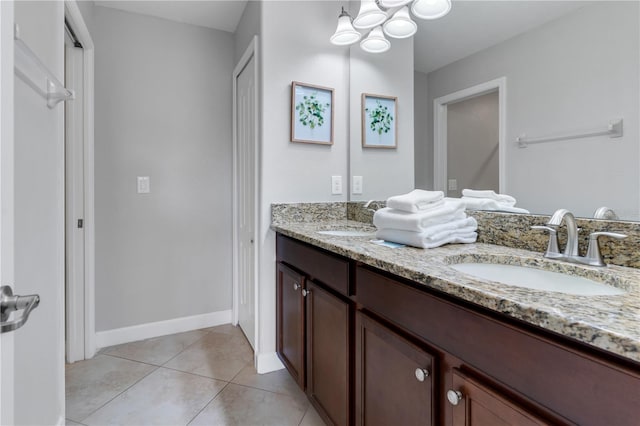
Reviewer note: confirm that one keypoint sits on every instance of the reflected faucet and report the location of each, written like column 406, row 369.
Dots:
column 571, row 249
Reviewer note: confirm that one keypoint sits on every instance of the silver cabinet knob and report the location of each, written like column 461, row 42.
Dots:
column 296, row 286
column 305, row 293
column 421, row 374
column 454, row 397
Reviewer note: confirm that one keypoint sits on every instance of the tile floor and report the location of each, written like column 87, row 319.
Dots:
column 202, row 377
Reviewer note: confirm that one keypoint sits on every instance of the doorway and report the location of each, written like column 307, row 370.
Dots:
column 459, row 119
column 245, row 191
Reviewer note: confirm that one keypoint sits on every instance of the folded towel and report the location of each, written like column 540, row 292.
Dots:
column 416, row 239
column 491, row 195
column 397, row 219
column 491, row 205
column 415, row 200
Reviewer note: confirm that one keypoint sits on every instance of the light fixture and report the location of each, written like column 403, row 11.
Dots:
column 400, row 25
column 369, row 16
column 345, row 33
column 430, row 9
column 375, row 41
column 390, row 17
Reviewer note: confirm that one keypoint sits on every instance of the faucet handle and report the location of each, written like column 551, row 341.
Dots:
column 552, row 247
column 594, row 257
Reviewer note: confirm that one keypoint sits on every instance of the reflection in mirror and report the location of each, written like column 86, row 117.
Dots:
column 568, row 68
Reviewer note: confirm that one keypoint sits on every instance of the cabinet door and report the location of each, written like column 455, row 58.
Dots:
column 328, row 381
column 394, row 378
column 290, row 321
column 477, row 405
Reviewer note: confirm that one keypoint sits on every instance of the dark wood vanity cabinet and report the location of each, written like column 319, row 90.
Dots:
column 379, row 349
column 314, row 322
column 394, row 378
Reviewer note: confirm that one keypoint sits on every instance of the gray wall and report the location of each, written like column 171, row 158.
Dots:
column 163, row 109
column 573, row 74
column 86, row 9
column 472, row 143
column 423, row 157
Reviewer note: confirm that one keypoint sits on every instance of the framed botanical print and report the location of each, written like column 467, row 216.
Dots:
column 311, row 114
column 379, row 121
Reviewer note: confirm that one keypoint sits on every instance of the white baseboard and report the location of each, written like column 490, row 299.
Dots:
column 161, row 328
column 268, row 362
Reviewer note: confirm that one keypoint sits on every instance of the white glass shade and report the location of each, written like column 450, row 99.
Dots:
column 345, row 33
column 400, row 25
column 375, row 42
column 369, row 16
column 394, row 3
column 430, row 9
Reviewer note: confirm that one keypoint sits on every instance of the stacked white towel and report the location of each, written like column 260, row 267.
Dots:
column 424, row 224
column 488, row 200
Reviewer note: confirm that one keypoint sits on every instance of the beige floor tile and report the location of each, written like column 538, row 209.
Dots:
column 312, row 418
column 277, row 381
column 165, row 397
column 227, row 329
column 217, row 355
column 92, row 383
column 68, row 422
column 240, row 405
column 158, row 350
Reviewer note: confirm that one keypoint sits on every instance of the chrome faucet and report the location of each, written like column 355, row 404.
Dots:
column 593, row 257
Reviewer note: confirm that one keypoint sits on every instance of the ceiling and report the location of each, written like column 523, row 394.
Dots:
column 471, row 26
column 218, row 14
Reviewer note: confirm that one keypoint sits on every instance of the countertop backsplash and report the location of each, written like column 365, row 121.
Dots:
column 503, row 229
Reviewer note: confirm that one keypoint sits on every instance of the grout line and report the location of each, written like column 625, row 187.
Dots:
column 207, row 404
column 132, row 360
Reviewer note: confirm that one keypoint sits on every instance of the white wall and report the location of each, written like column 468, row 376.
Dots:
column 248, row 26
column 39, row 223
column 573, row 74
column 163, row 109
column 385, row 172
column 295, row 47
column 423, row 157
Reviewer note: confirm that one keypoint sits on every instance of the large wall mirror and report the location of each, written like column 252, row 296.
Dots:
column 491, row 72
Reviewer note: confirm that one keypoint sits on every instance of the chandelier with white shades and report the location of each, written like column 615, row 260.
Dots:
column 390, row 17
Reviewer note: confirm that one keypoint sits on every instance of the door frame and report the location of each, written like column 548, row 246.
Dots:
column 440, row 108
column 83, row 309
column 250, row 52
column 7, row 199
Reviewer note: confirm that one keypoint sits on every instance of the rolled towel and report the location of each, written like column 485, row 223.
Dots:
column 415, row 200
column 417, row 222
column 491, row 195
column 419, row 240
column 490, row 205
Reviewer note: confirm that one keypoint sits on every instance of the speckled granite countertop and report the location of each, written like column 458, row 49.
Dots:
column 611, row 323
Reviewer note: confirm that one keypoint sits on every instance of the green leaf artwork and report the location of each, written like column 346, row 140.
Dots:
column 311, row 110
column 380, row 118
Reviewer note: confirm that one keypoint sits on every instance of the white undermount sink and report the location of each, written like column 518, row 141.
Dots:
column 347, row 233
column 537, row 279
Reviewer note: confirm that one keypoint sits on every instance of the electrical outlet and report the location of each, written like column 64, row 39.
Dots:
column 357, row 185
column 453, row 184
column 144, row 185
column 336, row 185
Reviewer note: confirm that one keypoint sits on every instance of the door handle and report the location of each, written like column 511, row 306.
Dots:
column 10, row 303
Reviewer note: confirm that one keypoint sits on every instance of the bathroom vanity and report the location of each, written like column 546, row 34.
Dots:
column 376, row 335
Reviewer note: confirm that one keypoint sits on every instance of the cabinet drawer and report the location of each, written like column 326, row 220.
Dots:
column 575, row 382
column 328, row 269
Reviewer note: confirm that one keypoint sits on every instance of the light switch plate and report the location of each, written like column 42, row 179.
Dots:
column 144, row 185
column 336, row 185
column 453, row 184
column 357, row 185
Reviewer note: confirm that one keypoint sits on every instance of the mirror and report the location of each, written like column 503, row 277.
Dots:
column 564, row 70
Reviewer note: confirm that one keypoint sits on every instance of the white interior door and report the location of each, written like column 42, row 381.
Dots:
column 32, row 219
column 245, row 197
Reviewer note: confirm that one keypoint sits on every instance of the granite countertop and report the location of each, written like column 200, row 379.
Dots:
column 611, row 323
